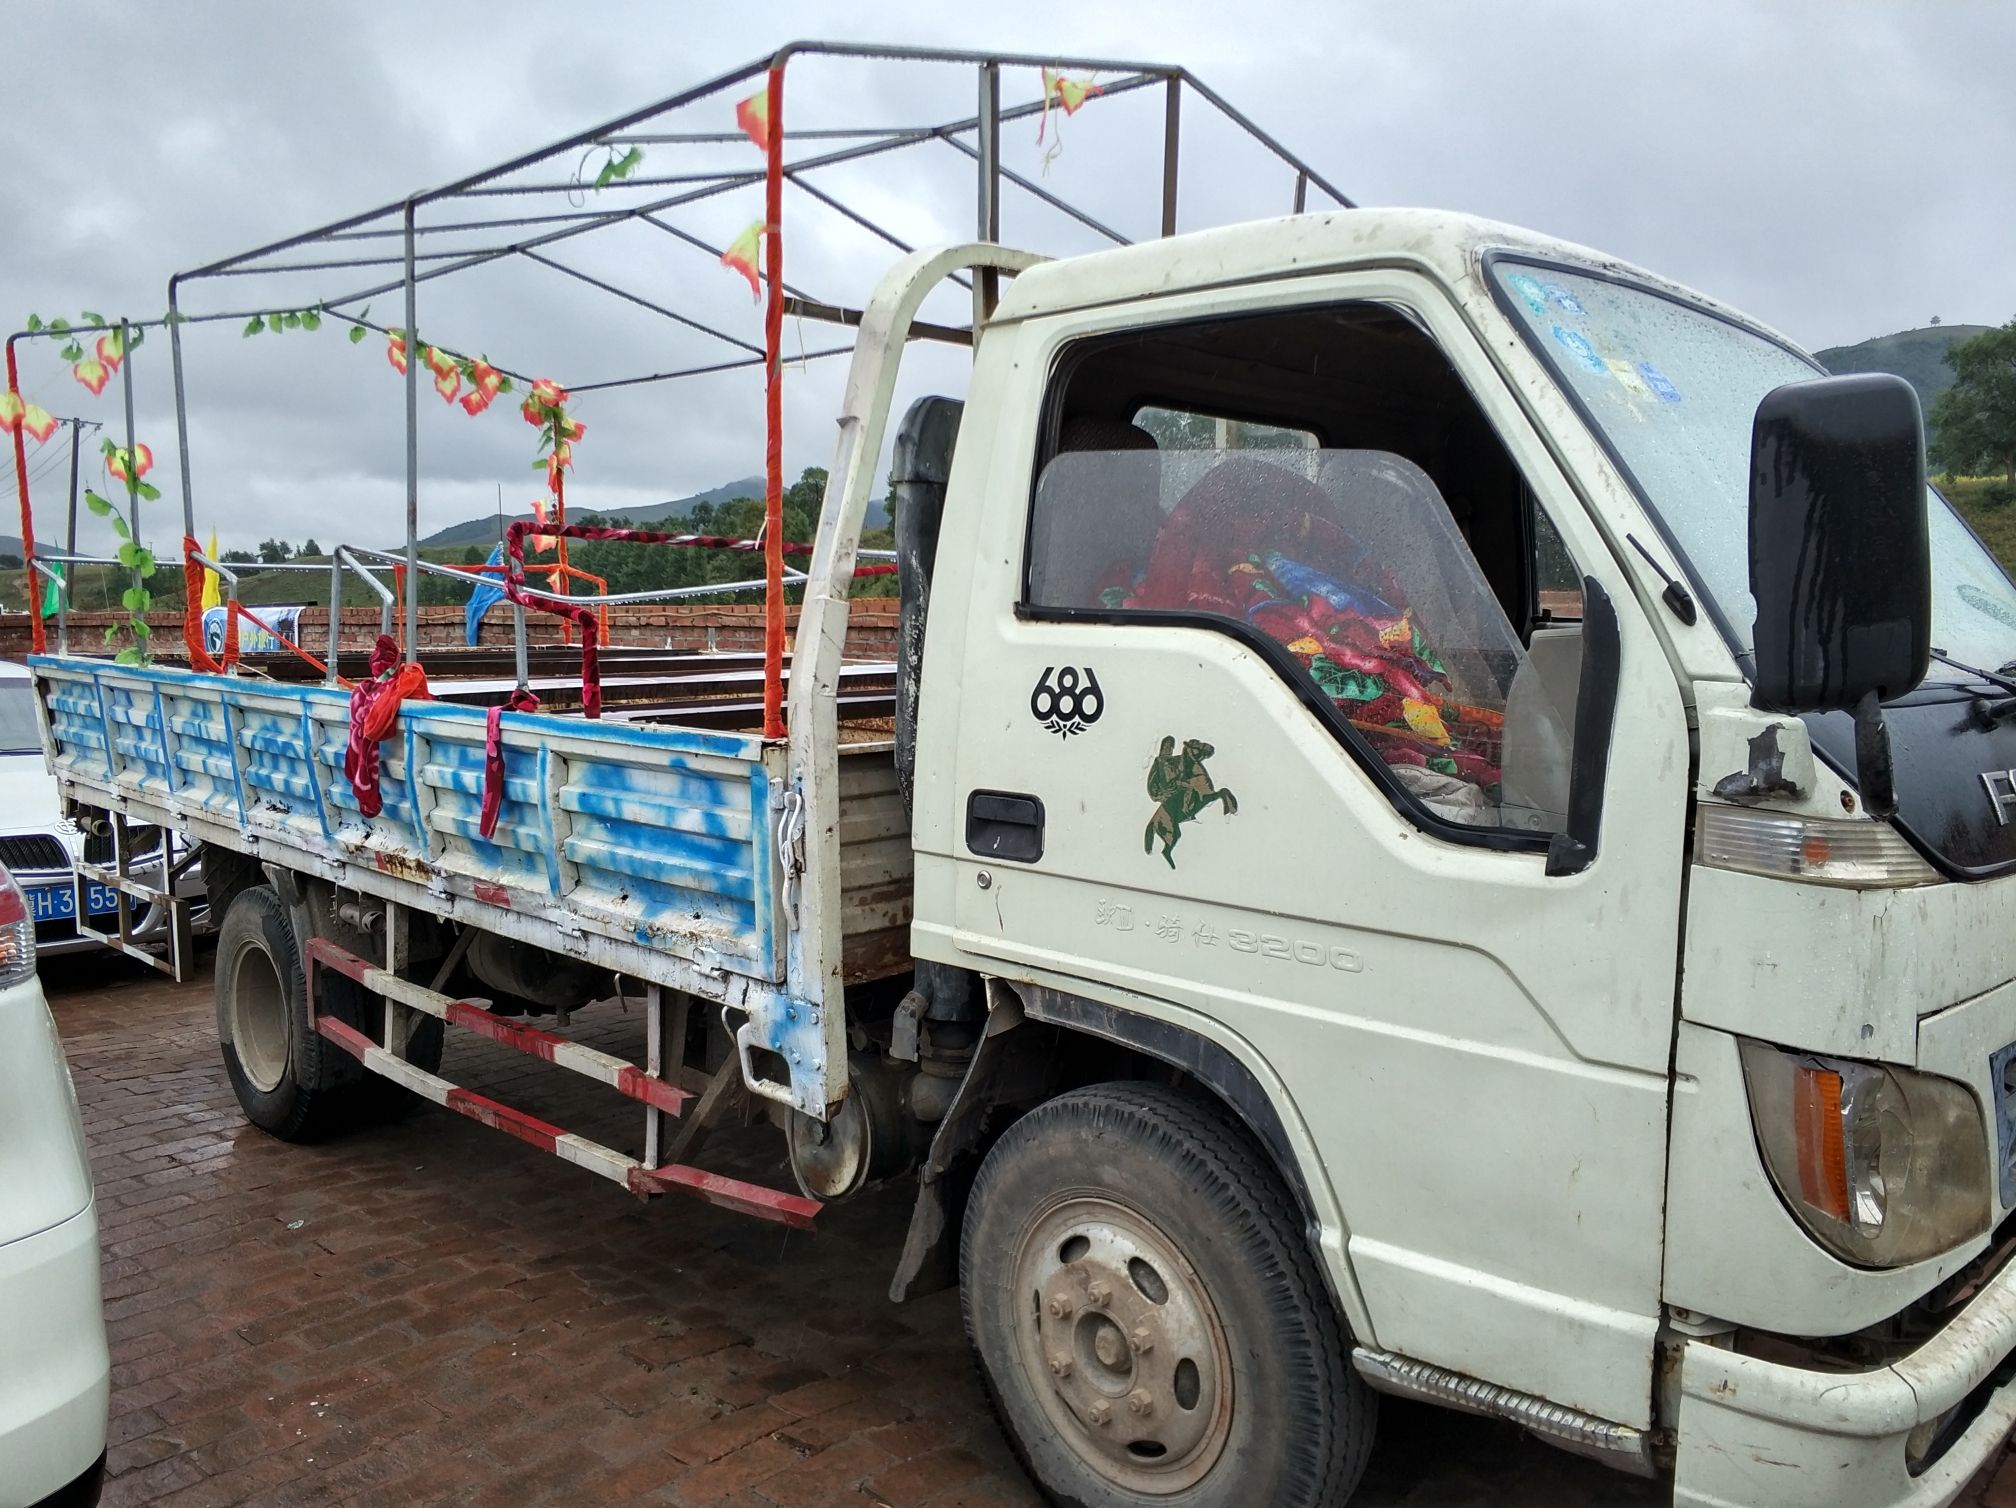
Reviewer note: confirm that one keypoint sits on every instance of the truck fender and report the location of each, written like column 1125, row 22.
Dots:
column 1007, row 1060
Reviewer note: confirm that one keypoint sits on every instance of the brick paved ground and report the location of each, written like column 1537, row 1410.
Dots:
column 431, row 1313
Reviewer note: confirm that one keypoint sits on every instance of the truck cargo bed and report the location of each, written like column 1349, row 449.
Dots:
column 645, row 841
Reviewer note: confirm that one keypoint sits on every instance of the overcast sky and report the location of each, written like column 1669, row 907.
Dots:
column 1840, row 170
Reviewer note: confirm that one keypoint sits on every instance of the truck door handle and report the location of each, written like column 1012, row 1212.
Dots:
column 1005, row 825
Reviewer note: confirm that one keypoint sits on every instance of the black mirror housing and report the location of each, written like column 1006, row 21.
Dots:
column 1840, row 557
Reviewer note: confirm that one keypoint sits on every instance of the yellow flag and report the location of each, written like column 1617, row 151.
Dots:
column 212, row 596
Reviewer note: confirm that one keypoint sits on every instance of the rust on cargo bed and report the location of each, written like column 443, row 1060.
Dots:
column 402, row 866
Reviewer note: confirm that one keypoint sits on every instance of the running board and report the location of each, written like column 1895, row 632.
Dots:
column 659, row 1096
column 1617, row 1445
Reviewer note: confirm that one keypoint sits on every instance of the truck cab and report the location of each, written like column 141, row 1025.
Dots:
column 1341, row 681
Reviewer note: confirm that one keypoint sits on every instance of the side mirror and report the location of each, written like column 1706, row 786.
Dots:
column 1840, row 560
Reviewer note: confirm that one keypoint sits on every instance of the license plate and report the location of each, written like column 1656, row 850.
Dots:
column 48, row 903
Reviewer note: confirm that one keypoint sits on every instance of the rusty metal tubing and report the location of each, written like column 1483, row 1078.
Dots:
column 181, row 409
column 699, row 371
column 680, row 233
column 505, row 222
column 405, row 208
column 642, row 303
column 825, row 160
column 704, row 589
column 576, row 186
column 805, row 186
column 412, row 443
column 665, row 594
column 276, row 268
column 1031, row 186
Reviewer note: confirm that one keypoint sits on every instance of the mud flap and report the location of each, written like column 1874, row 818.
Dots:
column 1008, row 1064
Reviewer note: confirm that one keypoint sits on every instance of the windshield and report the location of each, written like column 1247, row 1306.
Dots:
column 18, row 731
column 1672, row 389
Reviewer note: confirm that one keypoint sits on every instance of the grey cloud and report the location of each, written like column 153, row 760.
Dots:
column 1840, row 171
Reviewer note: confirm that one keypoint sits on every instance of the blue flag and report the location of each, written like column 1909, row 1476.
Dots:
column 485, row 594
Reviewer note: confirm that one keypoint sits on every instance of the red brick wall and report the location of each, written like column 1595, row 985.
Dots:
column 871, row 630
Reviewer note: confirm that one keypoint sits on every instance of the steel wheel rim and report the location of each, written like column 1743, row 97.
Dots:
column 258, row 1009
column 1122, row 1345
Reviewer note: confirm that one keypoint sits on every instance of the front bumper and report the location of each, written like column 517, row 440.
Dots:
column 55, row 1371
column 1759, row 1434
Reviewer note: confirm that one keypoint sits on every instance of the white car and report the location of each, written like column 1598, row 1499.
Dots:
column 55, row 1369
column 38, row 845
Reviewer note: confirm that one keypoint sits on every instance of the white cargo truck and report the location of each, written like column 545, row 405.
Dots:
column 1444, row 830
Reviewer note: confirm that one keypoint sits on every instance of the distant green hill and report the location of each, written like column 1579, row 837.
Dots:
column 483, row 531
column 1918, row 356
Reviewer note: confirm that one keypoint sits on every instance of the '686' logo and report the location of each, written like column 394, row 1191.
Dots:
column 1067, row 700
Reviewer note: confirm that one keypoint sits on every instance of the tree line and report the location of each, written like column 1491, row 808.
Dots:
column 1975, row 419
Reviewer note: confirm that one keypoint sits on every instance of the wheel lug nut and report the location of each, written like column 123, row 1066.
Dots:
column 1060, row 1365
column 1143, row 1340
column 1140, row 1404
column 1101, row 1413
column 1098, row 1294
column 1060, row 1305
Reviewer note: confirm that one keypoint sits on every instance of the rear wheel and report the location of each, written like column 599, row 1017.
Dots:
column 286, row 1077
column 290, row 1080
column 1150, row 1322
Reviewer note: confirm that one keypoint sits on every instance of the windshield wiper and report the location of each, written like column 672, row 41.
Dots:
column 1999, row 679
column 1987, row 711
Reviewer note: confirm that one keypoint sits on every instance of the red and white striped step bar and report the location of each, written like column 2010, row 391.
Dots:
column 624, row 1077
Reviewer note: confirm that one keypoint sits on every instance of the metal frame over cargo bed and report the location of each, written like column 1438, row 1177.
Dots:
column 763, row 873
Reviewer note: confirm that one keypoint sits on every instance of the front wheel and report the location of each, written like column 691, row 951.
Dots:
column 1153, row 1329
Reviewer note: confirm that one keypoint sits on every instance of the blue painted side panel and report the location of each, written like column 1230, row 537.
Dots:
column 662, row 836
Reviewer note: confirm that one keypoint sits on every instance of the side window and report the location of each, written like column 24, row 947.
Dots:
column 1175, row 429
column 1374, row 565
column 1557, row 584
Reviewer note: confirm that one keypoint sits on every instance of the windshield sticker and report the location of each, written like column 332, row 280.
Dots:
column 1577, row 344
column 1181, row 788
column 1529, row 290
column 1628, row 378
column 1981, row 602
column 1656, row 380
column 1562, row 299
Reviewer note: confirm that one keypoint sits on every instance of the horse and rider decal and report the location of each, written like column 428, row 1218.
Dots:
column 1181, row 788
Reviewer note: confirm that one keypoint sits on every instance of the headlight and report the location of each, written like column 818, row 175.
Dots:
column 17, row 933
column 1861, row 855
column 1884, row 1166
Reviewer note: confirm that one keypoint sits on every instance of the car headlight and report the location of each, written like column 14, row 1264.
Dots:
column 17, row 933
column 1884, row 1166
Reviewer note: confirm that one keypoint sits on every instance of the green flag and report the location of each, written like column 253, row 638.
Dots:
column 53, row 591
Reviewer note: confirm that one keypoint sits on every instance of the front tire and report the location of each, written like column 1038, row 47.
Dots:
column 1152, row 1327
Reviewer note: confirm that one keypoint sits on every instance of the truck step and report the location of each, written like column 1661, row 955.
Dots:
column 625, row 1078
column 658, row 1095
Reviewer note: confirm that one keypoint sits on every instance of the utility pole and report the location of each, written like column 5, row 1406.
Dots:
column 77, row 428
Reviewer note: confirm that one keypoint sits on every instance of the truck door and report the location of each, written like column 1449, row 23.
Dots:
column 1267, row 679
